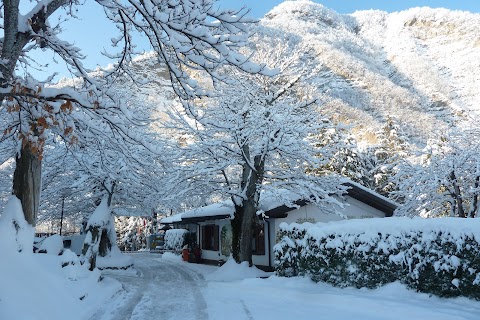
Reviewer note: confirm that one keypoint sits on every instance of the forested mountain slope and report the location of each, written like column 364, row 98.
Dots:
column 420, row 67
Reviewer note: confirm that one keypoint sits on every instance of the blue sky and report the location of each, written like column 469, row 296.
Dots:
column 260, row 7
column 92, row 33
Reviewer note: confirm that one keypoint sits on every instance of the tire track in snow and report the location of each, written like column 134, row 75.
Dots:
column 200, row 303
column 249, row 314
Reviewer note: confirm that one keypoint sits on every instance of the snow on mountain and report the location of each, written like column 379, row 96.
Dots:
column 420, row 67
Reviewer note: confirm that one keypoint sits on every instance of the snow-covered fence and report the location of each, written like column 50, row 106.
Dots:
column 175, row 239
column 438, row 256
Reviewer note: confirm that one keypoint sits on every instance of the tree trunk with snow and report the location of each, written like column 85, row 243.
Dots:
column 27, row 176
column 249, row 209
column 236, row 224
column 98, row 241
column 457, row 195
column 245, row 215
column 27, row 182
column 105, row 243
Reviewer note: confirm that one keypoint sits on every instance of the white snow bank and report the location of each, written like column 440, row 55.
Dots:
column 35, row 286
column 16, row 233
column 232, row 271
column 171, row 256
column 115, row 260
column 52, row 245
column 301, row 298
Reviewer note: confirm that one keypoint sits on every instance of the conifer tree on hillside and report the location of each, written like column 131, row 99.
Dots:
column 392, row 147
column 346, row 159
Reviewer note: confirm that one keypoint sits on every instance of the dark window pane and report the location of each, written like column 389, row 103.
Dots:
column 210, row 237
column 258, row 245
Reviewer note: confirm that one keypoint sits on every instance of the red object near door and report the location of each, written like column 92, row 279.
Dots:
column 185, row 254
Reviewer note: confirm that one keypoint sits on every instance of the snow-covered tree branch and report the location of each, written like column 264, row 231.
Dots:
column 186, row 35
column 254, row 137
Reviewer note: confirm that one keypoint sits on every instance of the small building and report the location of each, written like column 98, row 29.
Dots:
column 210, row 225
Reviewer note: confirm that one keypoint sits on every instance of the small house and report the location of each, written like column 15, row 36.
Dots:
column 210, row 225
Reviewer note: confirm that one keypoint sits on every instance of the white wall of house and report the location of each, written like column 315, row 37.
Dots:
column 217, row 255
column 211, row 254
column 353, row 209
column 358, row 210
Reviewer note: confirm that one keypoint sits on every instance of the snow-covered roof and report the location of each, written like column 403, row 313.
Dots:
column 276, row 205
column 371, row 198
column 218, row 210
column 225, row 209
column 376, row 194
column 272, row 200
column 172, row 219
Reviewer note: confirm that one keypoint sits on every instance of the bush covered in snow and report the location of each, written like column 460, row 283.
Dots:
column 438, row 256
column 289, row 248
column 175, row 239
column 52, row 245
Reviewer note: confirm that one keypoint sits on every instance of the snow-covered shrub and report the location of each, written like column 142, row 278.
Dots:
column 289, row 247
column 350, row 259
column 438, row 256
column 175, row 239
column 115, row 260
column 52, row 245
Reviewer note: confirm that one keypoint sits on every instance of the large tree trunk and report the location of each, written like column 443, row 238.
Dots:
column 236, row 232
column 244, row 219
column 98, row 231
column 249, row 210
column 105, row 243
column 27, row 182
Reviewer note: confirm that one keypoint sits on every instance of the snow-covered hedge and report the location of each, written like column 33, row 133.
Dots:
column 175, row 239
column 438, row 256
column 289, row 248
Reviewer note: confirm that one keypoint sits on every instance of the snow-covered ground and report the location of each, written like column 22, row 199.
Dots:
column 164, row 287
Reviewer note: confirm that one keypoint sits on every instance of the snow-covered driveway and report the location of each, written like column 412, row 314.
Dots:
column 161, row 289
column 168, row 288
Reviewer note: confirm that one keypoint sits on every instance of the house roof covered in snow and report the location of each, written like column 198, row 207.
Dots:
column 216, row 211
column 172, row 219
column 273, row 207
column 372, row 198
column 355, row 191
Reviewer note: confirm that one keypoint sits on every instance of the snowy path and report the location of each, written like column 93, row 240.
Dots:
column 168, row 288
column 160, row 290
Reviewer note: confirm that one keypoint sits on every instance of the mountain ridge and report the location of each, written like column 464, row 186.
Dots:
column 419, row 66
